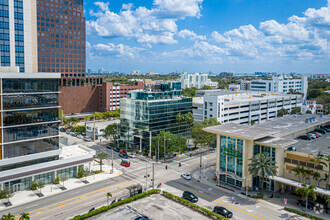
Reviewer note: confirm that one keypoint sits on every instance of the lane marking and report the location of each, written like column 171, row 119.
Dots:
column 222, row 203
column 79, row 198
column 203, row 160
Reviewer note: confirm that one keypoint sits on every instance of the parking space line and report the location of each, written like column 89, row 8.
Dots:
column 222, row 203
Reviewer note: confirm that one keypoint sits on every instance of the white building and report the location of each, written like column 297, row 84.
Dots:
column 99, row 128
column 18, row 36
column 196, row 80
column 319, row 76
column 281, row 85
column 242, row 107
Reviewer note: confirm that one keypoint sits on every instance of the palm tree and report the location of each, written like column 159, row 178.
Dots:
column 328, row 200
column 299, row 171
column 179, row 119
column 8, row 217
column 24, row 216
column 327, row 159
column 306, row 191
column 318, row 160
column 101, row 156
column 262, row 166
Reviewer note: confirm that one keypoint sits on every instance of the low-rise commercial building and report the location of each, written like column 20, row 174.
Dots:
column 241, row 107
column 30, row 148
column 96, row 130
column 143, row 114
column 278, row 139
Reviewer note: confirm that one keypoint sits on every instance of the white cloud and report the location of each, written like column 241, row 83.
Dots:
column 187, row 34
column 119, row 50
column 150, row 26
column 128, row 6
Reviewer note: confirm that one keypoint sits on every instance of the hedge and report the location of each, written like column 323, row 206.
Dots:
column 116, row 204
column 303, row 214
column 193, row 206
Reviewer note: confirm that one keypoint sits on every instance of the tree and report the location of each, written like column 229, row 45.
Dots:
column 24, row 216
column 282, row 112
column 318, row 160
column 34, row 185
column 80, row 172
column 262, row 166
column 189, row 119
column 109, row 195
column 327, row 164
column 8, row 217
column 62, row 117
column 308, row 112
column 101, row 156
column 295, row 110
column 206, row 88
column 41, row 185
column 314, row 93
column 328, row 200
column 73, row 120
column 299, row 171
column 179, row 119
column 111, row 130
column 57, row 179
column 252, row 122
column 306, row 191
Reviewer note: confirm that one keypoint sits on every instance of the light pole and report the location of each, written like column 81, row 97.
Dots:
column 158, row 150
column 246, row 187
column 164, row 147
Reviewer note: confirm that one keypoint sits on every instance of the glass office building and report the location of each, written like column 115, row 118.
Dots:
column 149, row 112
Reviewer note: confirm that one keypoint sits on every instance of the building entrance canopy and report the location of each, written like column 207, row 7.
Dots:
column 298, row 184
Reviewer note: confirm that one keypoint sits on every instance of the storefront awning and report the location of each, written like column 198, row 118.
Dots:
column 298, row 184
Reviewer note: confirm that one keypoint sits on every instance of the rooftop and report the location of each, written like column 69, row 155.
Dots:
column 278, row 142
column 38, row 75
column 290, row 124
column 241, row 131
column 314, row 146
column 102, row 124
column 75, row 151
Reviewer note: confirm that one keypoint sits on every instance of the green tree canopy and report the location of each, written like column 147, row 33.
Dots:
column 111, row 130
column 262, row 166
column 306, row 191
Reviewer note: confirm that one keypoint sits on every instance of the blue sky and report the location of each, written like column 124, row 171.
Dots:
column 209, row 35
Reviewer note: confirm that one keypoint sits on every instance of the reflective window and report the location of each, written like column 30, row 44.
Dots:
column 22, row 101
column 29, row 117
column 46, row 178
column 29, row 132
column 29, row 85
column 67, row 173
column 28, row 163
column 30, row 147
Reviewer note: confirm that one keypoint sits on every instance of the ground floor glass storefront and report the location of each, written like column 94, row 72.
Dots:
column 67, row 173
column 46, row 178
column 19, row 185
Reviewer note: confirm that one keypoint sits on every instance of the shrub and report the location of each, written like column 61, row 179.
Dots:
column 57, row 180
column 80, row 172
column 34, row 185
column 303, row 213
column 193, row 206
column 116, row 204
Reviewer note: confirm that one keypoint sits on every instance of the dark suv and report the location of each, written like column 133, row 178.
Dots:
column 222, row 211
column 190, row 196
column 310, row 205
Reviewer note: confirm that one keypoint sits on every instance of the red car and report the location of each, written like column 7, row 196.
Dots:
column 316, row 135
column 122, row 152
column 125, row 163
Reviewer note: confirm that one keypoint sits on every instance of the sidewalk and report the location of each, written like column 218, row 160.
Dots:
column 27, row 196
column 277, row 200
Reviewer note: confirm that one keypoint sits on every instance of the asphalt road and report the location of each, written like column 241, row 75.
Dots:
column 80, row 200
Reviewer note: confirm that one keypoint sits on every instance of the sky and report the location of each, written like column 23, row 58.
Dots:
column 243, row 36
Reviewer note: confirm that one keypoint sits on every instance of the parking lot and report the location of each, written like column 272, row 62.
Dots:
column 155, row 207
column 309, row 146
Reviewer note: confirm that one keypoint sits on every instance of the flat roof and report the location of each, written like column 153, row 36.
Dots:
column 39, row 75
column 278, row 142
column 315, row 145
column 102, row 124
column 241, row 131
column 75, row 151
column 290, row 124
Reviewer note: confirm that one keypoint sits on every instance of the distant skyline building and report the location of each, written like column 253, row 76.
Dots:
column 61, row 37
column 197, row 80
column 18, row 30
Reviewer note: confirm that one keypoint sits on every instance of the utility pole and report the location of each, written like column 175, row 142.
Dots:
column 112, row 161
column 164, row 148
column 200, row 166
column 150, row 141
column 158, row 151
column 146, row 176
column 94, row 130
column 153, row 175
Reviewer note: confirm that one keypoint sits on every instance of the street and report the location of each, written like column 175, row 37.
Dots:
column 78, row 201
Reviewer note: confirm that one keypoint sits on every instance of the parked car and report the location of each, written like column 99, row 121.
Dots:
column 80, row 136
column 62, row 130
column 313, row 136
column 186, row 176
column 142, row 218
column 125, row 163
column 131, row 155
column 314, row 133
column 310, row 205
column 318, row 133
column 189, row 196
column 292, row 148
column 326, row 128
column 322, row 131
column 123, row 156
column 122, row 152
column 87, row 139
column 67, row 131
column 222, row 211
column 116, row 149
column 306, row 137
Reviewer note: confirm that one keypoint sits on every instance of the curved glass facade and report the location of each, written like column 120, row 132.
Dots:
column 31, row 116
column 30, row 147
column 29, row 132
column 23, row 101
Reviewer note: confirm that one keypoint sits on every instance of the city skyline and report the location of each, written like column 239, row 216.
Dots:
column 199, row 36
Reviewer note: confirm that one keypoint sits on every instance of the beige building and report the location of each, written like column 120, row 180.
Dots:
column 237, row 143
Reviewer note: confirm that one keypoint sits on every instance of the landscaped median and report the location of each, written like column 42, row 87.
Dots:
column 144, row 195
column 303, row 214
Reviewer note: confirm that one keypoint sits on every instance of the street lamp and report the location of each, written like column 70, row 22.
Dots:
column 246, row 179
column 164, row 147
